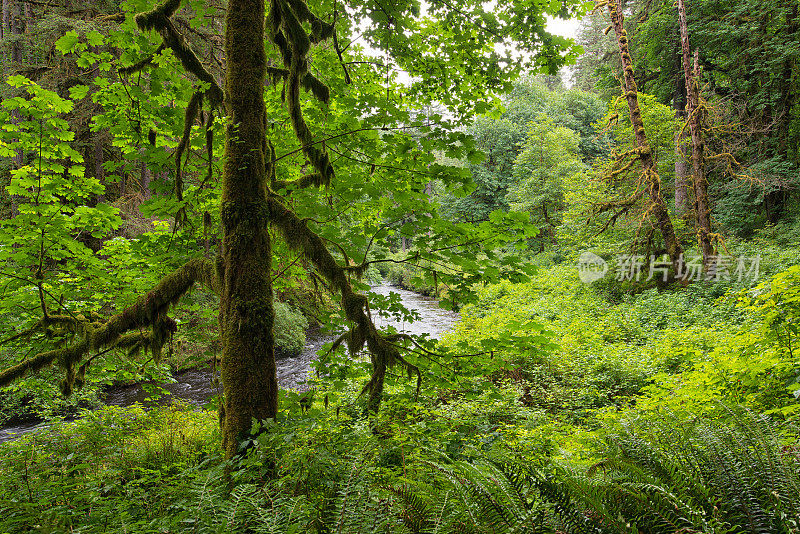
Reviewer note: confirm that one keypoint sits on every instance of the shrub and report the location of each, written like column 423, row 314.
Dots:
column 290, row 329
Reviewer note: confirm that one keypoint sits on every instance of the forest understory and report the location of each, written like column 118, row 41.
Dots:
column 202, row 183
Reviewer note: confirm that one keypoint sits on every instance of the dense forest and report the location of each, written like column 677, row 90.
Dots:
column 220, row 189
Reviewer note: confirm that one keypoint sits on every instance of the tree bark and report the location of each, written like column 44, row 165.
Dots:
column 246, row 311
column 5, row 31
column 695, row 119
column 16, row 31
column 681, row 167
column 681, row 170
column 658, row 207
column 28, row 22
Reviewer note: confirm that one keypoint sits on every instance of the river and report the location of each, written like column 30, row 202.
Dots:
column 195, row 385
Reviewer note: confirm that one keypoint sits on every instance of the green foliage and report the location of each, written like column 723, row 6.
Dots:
column 46, row 258
column 580, row 112
column 506, row 442
column 520, row 126
column 541, row 172
column 116, row 469
column 668, row 472
column 500, row 141
column 777, row 302
column 455, row 464
column 290, row 329
column 502, row 431
column 51, row 193
column 754, row 365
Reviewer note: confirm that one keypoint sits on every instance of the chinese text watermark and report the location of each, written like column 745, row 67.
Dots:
column 636, row 267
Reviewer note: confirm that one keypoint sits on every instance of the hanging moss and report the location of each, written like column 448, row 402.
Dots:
column 209, row 128
column 148, row 311
column 295, row 34
column 190, row 116
column 383, row 354
column 316, row 87
column 309, row 82
column 159, row 19
column 287, row 33
column 320, row 30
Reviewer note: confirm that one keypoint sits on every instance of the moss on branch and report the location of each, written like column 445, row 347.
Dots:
column 147, row 316
column 159, row 19
column 383, row 353
column 192, row 110
column 287, row 33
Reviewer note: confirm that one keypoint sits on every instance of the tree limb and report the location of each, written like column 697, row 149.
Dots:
column 148, row 311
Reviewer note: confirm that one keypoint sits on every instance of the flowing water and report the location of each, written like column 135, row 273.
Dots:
column 196, row 386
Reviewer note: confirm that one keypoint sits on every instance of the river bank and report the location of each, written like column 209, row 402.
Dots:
column 199, row 386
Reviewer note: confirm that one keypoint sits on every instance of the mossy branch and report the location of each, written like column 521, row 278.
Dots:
column 147, row 317
column 192, row 110
column 383, row 354
column 139, row 65
column 116, row 17
column 287, row 33
column 618, row 208
column 159, row 19
column 309, row 82
column 314, row 179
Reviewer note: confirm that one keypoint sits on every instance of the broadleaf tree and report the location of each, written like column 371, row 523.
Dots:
column 308, row 126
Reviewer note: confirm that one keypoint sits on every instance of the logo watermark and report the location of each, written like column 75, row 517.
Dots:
column 591, row 267
column 636, row 267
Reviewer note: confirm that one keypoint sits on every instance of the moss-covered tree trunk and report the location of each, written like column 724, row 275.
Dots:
column 246, row 315
column 695, row 119
column 652, row 182
column 681, row 167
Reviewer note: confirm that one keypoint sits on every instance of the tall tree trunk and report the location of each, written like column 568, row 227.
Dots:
column 12, row 59
column 246, row 313
column 28, row 22
column 16, row 31
column 695, row 118
column 658, row 207
column 681, row 170
column 681, row 167
column 8, row 6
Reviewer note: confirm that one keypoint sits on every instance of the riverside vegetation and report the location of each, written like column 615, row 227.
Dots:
column 626, row 405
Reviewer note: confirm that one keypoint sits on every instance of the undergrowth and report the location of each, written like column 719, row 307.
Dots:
column 661, row 412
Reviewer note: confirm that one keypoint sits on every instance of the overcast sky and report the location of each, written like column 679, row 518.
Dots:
column 565, row 28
